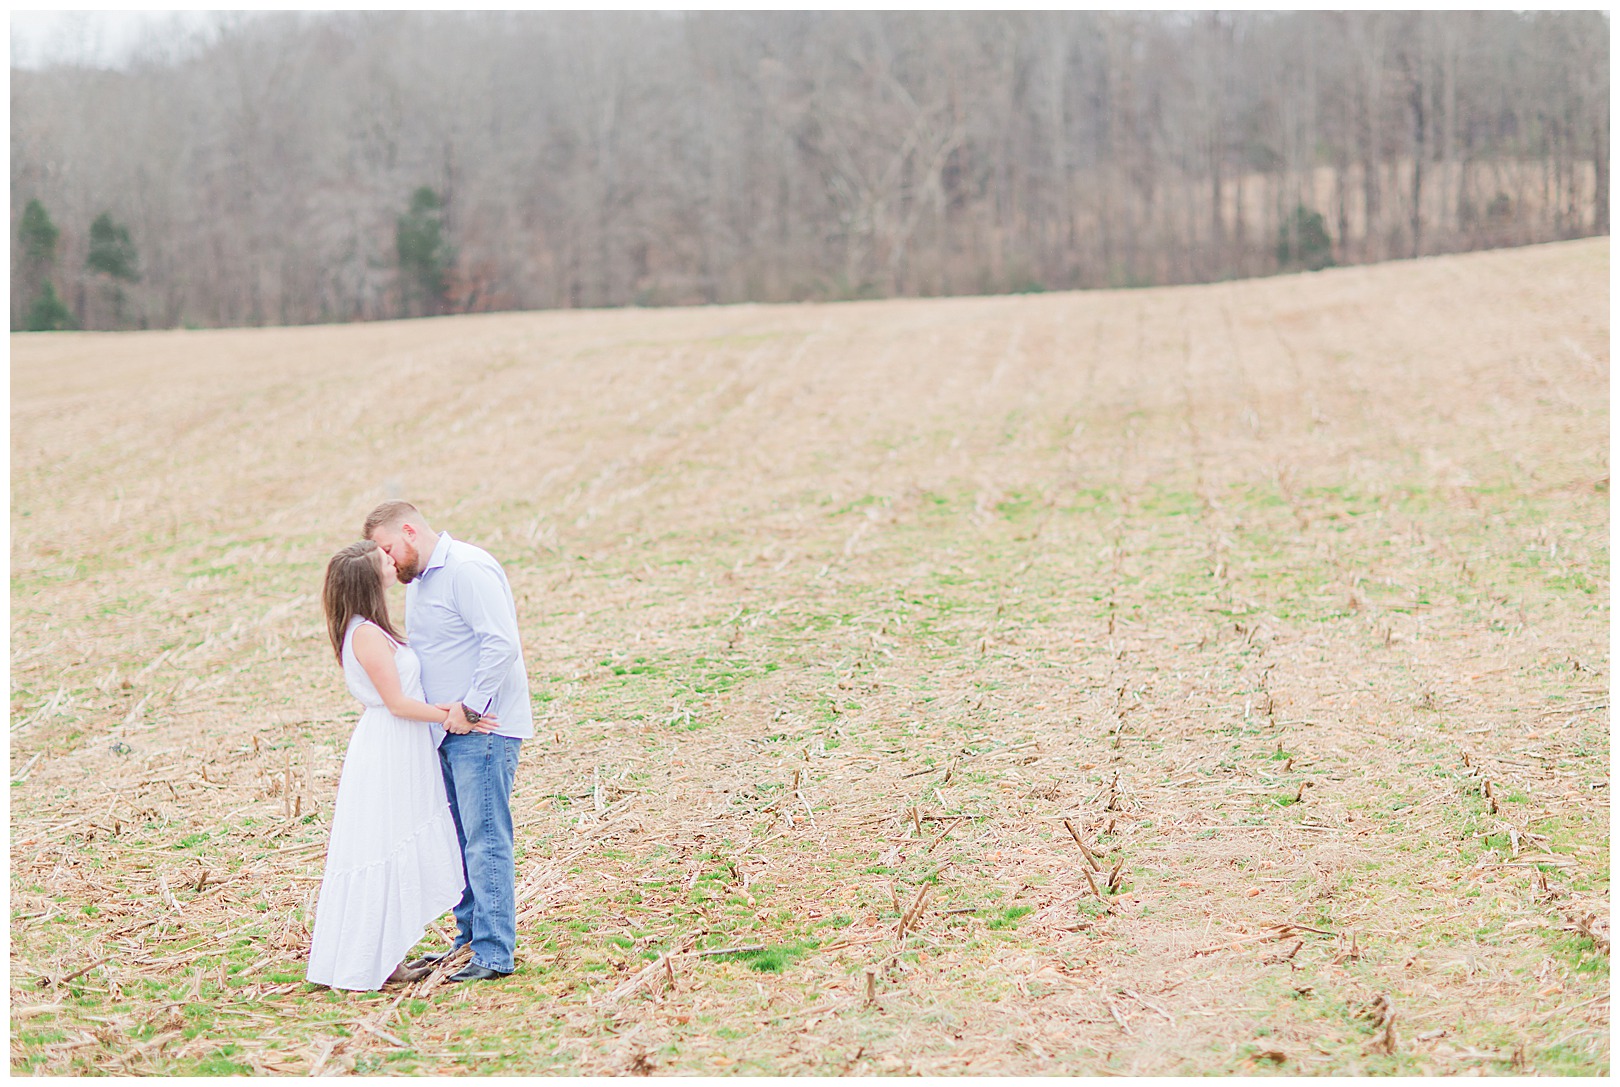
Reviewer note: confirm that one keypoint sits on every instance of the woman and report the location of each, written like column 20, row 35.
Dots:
column 392, row 864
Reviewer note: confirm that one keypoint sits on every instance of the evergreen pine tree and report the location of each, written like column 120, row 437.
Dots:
column 112, row 254
column 48, row 313
column 1303, row 242
column 111, row 251
column 424, row 255
column 36, row 237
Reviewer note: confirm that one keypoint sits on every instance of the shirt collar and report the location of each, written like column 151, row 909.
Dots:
column 441, row 551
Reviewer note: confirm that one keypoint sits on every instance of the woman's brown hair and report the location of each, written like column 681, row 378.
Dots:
column 354, row 587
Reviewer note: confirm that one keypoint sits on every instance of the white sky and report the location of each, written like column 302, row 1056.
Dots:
column 111, row 38
column 95, row 38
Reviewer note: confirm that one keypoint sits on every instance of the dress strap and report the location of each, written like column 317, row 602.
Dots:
column 384, row 633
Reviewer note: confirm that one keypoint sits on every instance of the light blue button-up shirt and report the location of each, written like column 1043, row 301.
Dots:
column 462, row 621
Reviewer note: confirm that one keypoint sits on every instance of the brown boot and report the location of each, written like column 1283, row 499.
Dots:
column 404, row 975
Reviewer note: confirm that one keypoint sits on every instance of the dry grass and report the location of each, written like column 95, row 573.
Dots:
column 1289, row 597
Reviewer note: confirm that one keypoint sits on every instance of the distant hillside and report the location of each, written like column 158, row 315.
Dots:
column 325, row 167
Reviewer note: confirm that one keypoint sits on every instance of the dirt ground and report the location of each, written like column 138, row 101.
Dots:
column 847, row 626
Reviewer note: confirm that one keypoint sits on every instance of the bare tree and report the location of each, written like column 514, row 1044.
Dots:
column 598, row 159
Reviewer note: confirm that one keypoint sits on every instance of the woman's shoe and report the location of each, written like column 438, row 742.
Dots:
column 405, row 973
column 435, row 958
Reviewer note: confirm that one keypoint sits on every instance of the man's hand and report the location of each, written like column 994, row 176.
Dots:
column 458, row 725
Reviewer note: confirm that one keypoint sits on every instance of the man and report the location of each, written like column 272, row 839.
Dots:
column 462, row 622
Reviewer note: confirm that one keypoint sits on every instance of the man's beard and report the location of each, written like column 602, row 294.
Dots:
column 407, row 569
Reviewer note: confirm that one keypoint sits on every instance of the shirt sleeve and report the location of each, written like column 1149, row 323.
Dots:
column 480, row 596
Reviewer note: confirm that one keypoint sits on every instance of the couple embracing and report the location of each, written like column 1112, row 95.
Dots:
column 423, row 819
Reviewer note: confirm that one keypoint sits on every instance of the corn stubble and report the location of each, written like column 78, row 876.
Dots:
column 1165, row 681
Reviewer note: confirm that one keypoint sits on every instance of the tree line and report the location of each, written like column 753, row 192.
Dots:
column 348, row 166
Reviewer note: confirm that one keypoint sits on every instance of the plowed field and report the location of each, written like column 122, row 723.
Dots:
column 847, row 626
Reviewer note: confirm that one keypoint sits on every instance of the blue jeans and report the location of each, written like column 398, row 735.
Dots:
column 478, row 772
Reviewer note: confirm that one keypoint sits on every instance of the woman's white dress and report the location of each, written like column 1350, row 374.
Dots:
column 392, row 864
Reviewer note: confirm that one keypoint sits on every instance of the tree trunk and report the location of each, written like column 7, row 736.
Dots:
column 1600, row 172
column 1419, row 150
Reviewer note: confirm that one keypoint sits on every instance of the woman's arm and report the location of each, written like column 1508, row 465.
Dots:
column 376, row 655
